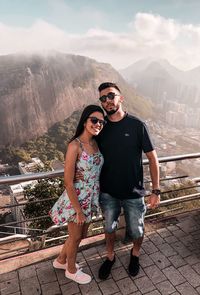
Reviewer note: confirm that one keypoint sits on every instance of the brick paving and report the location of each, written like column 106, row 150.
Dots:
column 170, row 264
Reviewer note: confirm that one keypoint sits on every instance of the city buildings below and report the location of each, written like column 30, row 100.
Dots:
column 56, row 165
column 181, row 115
column 17, row 198
column 30, row 167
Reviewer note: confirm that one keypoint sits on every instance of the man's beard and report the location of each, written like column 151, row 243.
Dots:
column 109, row 113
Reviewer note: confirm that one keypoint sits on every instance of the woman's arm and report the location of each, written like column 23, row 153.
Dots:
column 69, row 172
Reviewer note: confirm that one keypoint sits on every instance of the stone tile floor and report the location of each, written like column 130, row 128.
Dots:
column 170, row 264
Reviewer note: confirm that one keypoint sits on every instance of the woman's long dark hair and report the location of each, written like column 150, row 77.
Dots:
column 85, row 114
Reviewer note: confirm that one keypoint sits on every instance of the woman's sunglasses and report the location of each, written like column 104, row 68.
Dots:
column 95, row 120
column 110, row 95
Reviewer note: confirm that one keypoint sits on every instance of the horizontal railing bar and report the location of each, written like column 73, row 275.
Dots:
column 19, row 227
column 5, row 241
column 180, row 189
column 14, row 251
column 176, row 190
column 25, row 203
column 175, row 158
column 6, row 233
column 25, row 220
column 162, row 212
column 60, row 172
column 162, row 203
column 32, row 176
column 179, row 199
column 169, row 178
column 178, row 213
column 39, row 217
column 55, row 198
column 196, row 179
column 35, row 250
column 55, row 239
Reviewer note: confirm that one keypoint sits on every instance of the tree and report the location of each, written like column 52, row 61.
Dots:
column 44, row 189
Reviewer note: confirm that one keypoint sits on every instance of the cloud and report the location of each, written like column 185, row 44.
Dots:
column 40, row 36
column 147, row 35
column 155, row 28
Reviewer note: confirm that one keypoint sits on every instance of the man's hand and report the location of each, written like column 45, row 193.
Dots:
column 78, row 176
column 153, row 201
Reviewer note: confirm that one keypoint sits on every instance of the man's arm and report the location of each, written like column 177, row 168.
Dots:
column 154, row 199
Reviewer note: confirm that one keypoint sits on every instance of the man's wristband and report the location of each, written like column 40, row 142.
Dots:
column 156, row 192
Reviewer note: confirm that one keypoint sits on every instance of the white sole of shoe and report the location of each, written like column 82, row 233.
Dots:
column 70, row 277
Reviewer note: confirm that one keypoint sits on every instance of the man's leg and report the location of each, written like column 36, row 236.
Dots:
column 137, row 246
column 110, row 242
column 111, row 209
column 134, row 211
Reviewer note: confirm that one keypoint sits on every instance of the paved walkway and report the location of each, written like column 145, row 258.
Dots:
column 170, row 264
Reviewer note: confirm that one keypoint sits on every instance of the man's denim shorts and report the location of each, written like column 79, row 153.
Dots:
column 134, row 212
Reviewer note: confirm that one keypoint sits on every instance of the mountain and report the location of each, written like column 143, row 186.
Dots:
column 37, row 91
column 159, row 80
column 193, row 76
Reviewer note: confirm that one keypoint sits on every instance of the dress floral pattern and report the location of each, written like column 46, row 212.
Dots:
column 87, row 191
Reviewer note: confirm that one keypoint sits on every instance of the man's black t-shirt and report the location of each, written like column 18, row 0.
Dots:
column 121, row 144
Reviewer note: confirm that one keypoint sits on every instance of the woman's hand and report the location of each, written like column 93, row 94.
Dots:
column 80, row 217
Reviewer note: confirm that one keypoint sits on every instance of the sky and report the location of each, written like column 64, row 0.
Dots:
column 112, row 31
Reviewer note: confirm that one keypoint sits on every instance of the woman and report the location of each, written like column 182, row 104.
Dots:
column 80, row 198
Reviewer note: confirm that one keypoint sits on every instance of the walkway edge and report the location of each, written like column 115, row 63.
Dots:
column 17, row 262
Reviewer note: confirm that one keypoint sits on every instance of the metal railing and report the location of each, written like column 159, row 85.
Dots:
column 43, row 234
column 59, row 173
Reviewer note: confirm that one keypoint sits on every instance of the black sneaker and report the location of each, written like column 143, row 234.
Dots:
column 134, row 265
column 105, row 268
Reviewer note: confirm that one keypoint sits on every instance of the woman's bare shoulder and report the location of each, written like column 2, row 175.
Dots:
column 74, row 145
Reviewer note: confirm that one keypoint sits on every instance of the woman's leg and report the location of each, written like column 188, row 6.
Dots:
column 85, row 230
column 63, row 254
column 75, row 236
column 74, row 239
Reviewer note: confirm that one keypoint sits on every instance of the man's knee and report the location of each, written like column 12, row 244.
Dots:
column 111, row 226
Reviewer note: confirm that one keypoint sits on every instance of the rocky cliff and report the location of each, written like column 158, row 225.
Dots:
column 36, row 91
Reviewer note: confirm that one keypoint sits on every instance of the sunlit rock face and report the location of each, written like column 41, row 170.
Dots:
column 36, row 91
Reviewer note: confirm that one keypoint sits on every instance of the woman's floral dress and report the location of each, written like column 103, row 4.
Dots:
column 87, row 190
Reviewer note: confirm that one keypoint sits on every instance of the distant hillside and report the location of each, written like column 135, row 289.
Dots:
column 37, row 91
column 49, row 146
column 159, row 80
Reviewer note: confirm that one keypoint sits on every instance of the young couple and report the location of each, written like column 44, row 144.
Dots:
column 109, row 156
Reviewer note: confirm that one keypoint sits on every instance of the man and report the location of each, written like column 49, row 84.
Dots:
column 122, row 141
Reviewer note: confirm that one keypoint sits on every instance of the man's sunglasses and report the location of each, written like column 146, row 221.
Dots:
column 95, row 120
column 110, row 95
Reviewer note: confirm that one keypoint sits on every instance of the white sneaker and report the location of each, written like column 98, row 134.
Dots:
column 78, row 277
column 59, row 265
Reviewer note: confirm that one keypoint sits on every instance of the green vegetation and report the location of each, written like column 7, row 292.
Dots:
column 52, row 145
column 44, row 189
